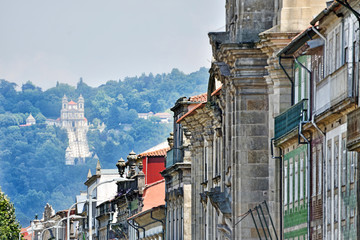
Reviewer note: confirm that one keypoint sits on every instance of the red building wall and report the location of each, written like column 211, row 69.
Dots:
column 152, row 166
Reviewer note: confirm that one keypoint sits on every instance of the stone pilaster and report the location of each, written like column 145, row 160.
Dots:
column 279, row 88
column 246, row 130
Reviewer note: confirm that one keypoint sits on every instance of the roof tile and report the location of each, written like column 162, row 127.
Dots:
column 199, row 98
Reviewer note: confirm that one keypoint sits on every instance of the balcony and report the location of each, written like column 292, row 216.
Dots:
column 290, row 119
column 169, row 158
column 173, row 156
column 334, row 88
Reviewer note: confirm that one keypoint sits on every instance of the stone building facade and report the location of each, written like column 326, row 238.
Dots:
column 178, row 173
column 233, row 173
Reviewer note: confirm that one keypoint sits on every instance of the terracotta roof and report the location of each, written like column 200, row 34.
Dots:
column 199, row 98
column 216, row 92
column 200, row 105
column 159, row 152
column 72, row 103
column 26, row 234
column 154, row 196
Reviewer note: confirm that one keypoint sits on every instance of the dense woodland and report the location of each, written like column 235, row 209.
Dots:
column 32, row 158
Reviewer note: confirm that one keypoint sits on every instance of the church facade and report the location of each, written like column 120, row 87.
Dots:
column 73, row 120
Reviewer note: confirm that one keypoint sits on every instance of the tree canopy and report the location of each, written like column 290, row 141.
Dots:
column 9, row 226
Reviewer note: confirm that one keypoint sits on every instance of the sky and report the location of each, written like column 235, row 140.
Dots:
column 47, row 41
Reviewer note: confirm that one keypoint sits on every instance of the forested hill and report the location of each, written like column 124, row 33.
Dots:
column 32, row 158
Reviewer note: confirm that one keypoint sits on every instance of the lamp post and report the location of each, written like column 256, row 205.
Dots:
column 90, row 200
column 42, row 232
column 68, row 218
column 57, row 224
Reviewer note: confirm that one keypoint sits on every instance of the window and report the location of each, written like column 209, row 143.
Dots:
column 313, row 166
column 296, row 90
column 291, row 181
column 321, row 70
column 338, row 57
column 181, row 230
column 303, row 85
column 296, row 178
column 173, row 224
column 331, row 54
column 302, row 177
column 336, row 209
column 286, row 183
column 346, row 43
column 320, row 172
column 336, row 162
column 343, row 162
column 217, row 156
column 343, row 208
column 205, row 160
column 352, row 155
column 169, row 224
column 328, row 210
column 306, row 169
column 328, row 167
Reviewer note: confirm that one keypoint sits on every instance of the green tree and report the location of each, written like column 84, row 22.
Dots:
column 9, row 226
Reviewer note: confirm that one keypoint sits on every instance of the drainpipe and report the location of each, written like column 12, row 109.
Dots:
column 281, row 184
column 288, row 76
column 136, row 228
column 307, row 175
column 162, row 223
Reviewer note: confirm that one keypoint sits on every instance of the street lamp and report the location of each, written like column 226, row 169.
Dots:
column 42, row 232
column 57, row 224
column 68, row 218
column 91, row 189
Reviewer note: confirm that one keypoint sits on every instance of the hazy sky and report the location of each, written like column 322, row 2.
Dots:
column 46, row 41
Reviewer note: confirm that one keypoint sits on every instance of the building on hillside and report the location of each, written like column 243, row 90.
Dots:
column 164, row 117
column 151, row 219
column 145, row 115
column 321, row 130
column 53, row 122
column 30, row 120
column 73, row 120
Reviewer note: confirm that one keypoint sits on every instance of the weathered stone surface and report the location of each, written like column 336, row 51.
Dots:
column 258, row 156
